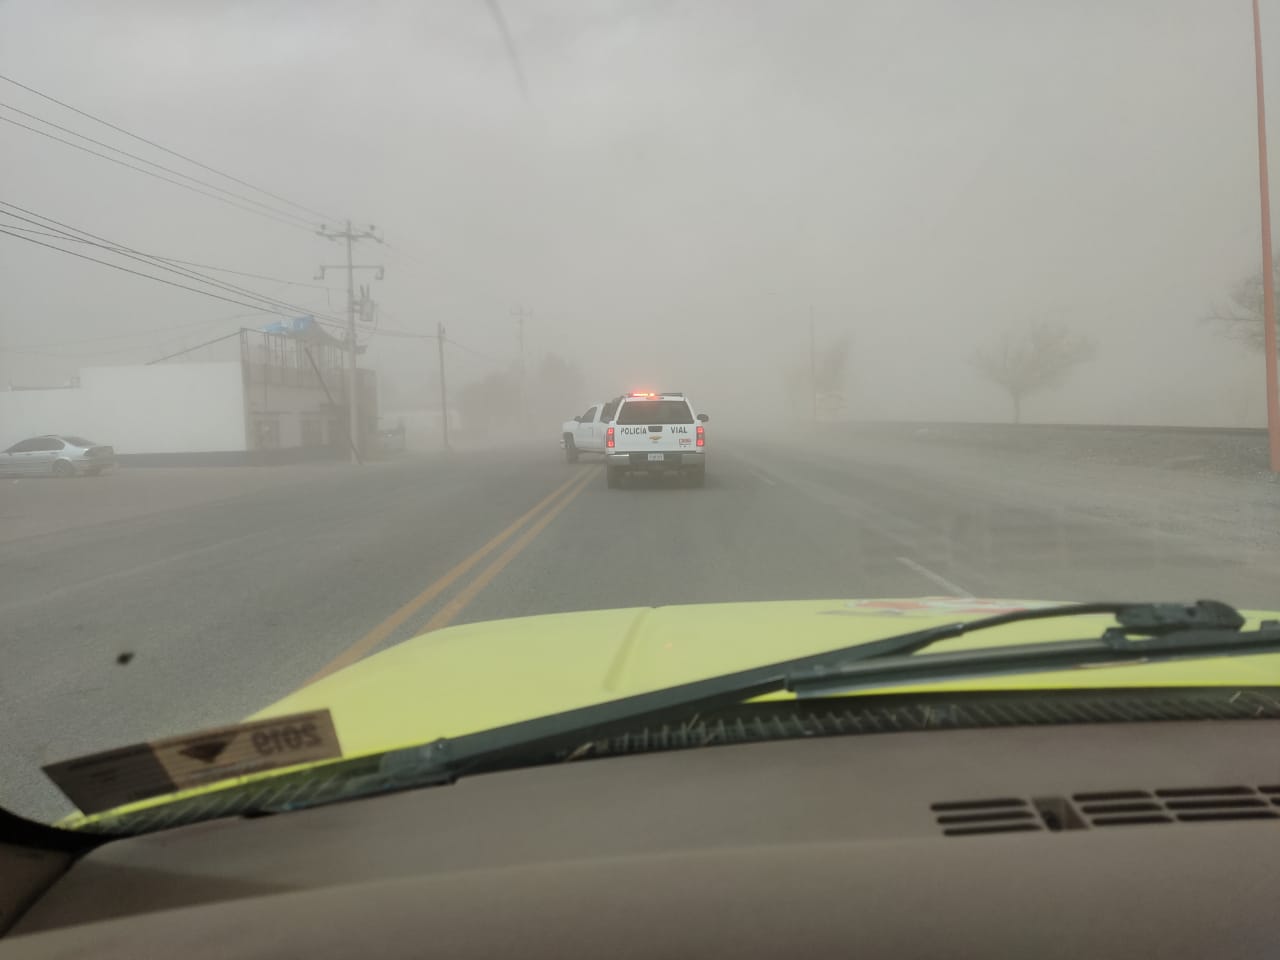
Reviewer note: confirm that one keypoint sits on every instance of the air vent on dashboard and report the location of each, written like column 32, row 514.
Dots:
column 1112, row 808
column 1179, row 805
column 1004, row 815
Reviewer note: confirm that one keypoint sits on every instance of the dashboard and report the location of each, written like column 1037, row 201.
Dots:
column 1081, row 840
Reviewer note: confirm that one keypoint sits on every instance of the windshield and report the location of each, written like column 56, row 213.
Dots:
column 455, row 364
column 654, row 411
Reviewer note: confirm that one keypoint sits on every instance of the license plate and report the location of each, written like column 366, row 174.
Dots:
column 657, row 456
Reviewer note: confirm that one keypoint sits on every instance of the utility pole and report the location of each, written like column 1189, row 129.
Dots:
column 1268, row 262
column 813, row 364
column 444, row 393
column 353, row 396
column 521, row 314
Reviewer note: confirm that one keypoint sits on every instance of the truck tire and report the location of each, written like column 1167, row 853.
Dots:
column 570, row 449
column 613, row 477
column 697, row 478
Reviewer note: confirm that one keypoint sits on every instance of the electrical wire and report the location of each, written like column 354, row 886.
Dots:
column 243, row 273
column 125, row 251
column 42, row 349
column 400, row 252
column 185, row 263
column 303, row 225
column 410, row 335
column 172, row 153
column 152, row 163
column 130, row 254
column 148, row 276
column 472, row 351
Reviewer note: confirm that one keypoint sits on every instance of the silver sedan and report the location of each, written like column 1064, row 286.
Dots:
column 56, row 455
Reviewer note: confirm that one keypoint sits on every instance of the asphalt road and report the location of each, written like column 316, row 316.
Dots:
column 220, row 606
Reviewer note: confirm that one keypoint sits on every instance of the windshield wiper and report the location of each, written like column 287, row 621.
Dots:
column 1142, row 633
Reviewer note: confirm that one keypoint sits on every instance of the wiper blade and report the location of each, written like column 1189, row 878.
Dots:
column 1148, row 634
column 1142, row 632
column 1151, row 619
column 1207, row 628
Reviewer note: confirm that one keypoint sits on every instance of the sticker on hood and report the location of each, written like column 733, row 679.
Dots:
column 101, row 781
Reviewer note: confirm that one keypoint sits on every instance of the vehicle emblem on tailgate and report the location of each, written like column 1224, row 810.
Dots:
column 655, row 437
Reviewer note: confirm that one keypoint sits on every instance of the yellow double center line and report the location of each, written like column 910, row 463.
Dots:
column 549, row 507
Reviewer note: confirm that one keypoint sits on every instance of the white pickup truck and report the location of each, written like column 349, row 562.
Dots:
column 655, row 433
column 586, row 433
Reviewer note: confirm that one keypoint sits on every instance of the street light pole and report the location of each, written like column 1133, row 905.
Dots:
column 813, row 366
column 444, row 392
column 521, row 315
column 353, row 381
column 1268, row 263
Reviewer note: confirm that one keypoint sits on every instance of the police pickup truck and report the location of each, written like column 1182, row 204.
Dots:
column 586, row 433
column 655, row 433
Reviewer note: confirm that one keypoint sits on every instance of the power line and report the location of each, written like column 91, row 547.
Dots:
column 37, row 348
column 473, row 352
column 172, row 153
column 242, row 273
column 509, row 45
column 410, row 335
column 131, row 254
column 401, row 252
column 94, row 353
column 148, row 276
column 151, row 163
column 185, row 263
column 125, row 251
column 186, row 350
column 299, row 224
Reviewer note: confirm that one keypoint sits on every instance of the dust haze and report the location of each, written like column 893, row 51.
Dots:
column 677, row 193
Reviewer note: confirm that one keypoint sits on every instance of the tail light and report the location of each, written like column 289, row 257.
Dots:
column 702, row 439
column 608, row 437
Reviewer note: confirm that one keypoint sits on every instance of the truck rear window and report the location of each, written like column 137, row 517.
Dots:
column 636, row 412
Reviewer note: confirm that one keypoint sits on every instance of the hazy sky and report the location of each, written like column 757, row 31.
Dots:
column 675, row 187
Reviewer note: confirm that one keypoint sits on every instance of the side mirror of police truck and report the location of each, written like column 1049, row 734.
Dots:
column 703, row 417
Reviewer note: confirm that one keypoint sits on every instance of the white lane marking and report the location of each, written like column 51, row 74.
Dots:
column 856, row 511
column 937, row 578
column 765, row 478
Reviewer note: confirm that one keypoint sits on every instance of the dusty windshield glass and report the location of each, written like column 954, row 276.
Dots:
column 371, row 311
column 654, row 411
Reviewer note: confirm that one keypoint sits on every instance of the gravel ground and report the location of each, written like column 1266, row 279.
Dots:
column 1206, row 487
column 1241, row 454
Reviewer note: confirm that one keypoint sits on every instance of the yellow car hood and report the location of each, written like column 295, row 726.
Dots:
column 470, row 678
column 482, row 675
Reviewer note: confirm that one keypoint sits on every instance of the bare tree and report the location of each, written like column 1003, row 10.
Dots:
column 1242, row 317
column 1031, row 360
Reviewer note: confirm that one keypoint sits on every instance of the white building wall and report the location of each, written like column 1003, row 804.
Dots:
column 166, row 408
column 30, row 413
column 289, row 406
